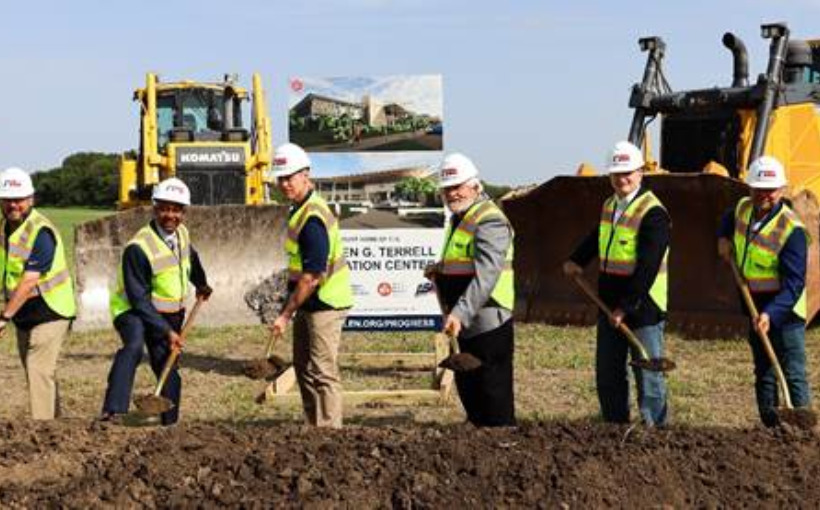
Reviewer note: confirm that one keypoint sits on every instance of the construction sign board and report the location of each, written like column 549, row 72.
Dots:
column 390, row 291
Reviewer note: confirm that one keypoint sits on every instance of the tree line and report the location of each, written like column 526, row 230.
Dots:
column 91, row 179
column 84, row 179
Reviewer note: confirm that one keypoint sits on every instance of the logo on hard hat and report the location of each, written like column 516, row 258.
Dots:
column 12, row 183
column 176, row 189
column 620, row 158
column 767, row 173
column 449, row 172
column 280, row 161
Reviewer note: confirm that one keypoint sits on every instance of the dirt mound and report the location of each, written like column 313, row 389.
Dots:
column 77, row 465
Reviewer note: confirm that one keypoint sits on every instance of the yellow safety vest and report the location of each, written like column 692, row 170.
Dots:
column 334, row 286
column 458, row 255
column 55, row 286
column 757, row 255
column 618, row 244
column 170, row 272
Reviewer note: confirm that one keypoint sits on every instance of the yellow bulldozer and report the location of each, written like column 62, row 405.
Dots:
column 203, row 134
column 707, row 139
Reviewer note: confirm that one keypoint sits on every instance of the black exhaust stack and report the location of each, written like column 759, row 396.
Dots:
column 771, row 81
column 740, row 59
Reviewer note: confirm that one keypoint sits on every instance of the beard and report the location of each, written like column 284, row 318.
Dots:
column 459, row 206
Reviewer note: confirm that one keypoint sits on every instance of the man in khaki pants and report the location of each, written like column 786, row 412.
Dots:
column 37, row 287
column 319, row 287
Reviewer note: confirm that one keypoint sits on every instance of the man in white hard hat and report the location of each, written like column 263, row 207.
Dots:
column 631, row 243
column 37, row 289
column 148, row 304
column 474, row 280
column 319, row 289
column 769, row 245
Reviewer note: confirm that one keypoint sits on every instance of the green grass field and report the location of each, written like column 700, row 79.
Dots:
column 66, row 219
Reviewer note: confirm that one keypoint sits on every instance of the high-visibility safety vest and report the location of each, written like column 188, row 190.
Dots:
column 170, row 272
column 618, row 243
column 55, row 286
column 458, row 255
column 334, row 285
column 757, row 255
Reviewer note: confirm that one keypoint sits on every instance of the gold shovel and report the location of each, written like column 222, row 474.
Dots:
column 153, row 403
column 644, row 361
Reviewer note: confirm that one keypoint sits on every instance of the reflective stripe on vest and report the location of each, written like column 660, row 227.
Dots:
column 55, row 286
column 334, row 284
column 458, row 254
column 169, row 273
column 618, row 243
column 758, row 254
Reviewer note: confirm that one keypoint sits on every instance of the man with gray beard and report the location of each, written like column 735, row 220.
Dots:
column 474, row 280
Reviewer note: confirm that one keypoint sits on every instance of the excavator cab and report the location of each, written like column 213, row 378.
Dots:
column 708, row 137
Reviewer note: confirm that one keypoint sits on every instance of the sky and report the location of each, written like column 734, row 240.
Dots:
column 531, row 88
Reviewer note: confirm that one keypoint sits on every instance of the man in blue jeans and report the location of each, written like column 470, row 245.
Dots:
column 769, row 244
column 632, row 245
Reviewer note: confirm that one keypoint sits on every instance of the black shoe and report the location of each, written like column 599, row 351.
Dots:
column 112, row 418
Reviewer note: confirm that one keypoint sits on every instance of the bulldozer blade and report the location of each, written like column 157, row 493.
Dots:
column 240, row 248
column 703, row 300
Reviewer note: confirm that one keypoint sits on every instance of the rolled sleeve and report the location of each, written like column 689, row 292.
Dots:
column 42, row 254
column 314, row 246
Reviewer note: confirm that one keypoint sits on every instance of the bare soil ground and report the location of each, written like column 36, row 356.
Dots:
column 546, row 465
column 229, row 451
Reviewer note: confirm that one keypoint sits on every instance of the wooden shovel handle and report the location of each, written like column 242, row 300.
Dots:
column 764, row 337
column 172, row 358
column 271, row 344
column 630, row 336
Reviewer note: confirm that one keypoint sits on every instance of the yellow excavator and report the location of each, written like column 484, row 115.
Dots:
column 204, row 134
column 707, row 139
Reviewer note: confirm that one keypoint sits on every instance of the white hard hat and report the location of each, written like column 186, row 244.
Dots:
column 625, row 157
column 172, row 190
column 289, row 159
column 456, row 169
column 766, row 173
column 15, row 183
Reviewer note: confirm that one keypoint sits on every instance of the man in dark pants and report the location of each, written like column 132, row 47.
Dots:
column 475, row 283
column 632, row 245
column 148, row 304
column 769, row 244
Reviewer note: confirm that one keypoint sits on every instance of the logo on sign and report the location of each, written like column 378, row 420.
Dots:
column 384, row 289
column 202, row 157
column 424, row 288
